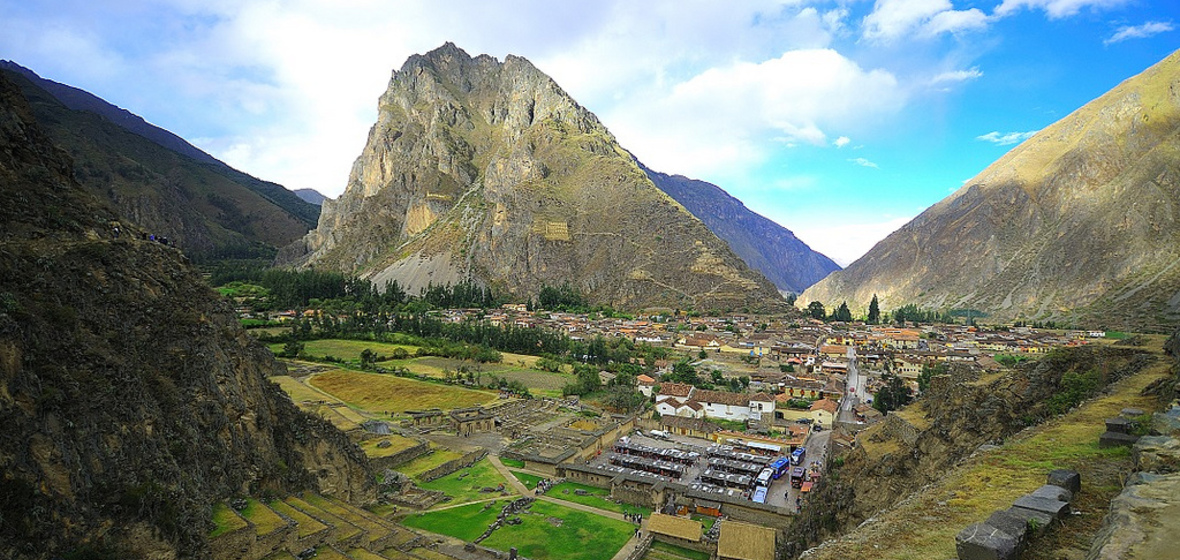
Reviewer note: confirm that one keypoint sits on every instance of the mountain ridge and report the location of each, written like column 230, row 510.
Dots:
column 488, row 170
column 1079, row 223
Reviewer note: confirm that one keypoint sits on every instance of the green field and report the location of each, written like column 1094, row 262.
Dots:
column 464, row 485
column 346, row 349
column 597, row 497
column 380, row 393
column 225, row 520
column 529, row 480
column 548, row 531
column 427, row 462
column 541, row 383
column 512, row 463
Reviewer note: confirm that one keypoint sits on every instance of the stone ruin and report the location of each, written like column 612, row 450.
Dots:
column 1006, row 533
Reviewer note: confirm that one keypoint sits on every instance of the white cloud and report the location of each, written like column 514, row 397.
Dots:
column 1139, row 31
column 1006, row 138
column 841, row 141
column 1056, row 9
column 957, row 76
column 864, row 163
column 893, row 19
column 847, row 241
column 724, row 116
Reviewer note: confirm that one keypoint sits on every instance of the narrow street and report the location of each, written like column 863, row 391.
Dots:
column 855, row 391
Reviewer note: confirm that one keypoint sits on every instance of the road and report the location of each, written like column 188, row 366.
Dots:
column 856, row 389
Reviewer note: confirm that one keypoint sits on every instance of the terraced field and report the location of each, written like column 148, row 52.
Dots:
column 381, row 393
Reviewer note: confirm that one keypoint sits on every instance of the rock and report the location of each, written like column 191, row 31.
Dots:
column 1052, row 507
column 1070, row 480
column 1035, row 521
column 1014, row 524
column 985, row 542
column 1159, row 454
column 1143, row 521
column 1166, row 423
column 1131, row 413
column 1115, row 439
column 1120, row 425
column 1053, row 492
column 384, row 444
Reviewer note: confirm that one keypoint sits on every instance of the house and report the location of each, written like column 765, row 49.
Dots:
column 688, row 426
column 673, row 529
column 761, row 403
column 743, row 541
column 824, row 411
column 645, row 384
column 687, row 408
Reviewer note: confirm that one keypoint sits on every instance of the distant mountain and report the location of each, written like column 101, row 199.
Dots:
column 311, row 196
column 1079, row 223
column 486, row 170
column 763, row 244
column 161, row 182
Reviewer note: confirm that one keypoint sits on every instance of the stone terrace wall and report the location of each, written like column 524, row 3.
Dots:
column 453, row 465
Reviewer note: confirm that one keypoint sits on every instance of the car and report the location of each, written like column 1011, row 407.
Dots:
column 804, row 420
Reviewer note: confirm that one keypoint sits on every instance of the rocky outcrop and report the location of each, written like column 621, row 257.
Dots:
column 130, row 397
column 764, row 245
column 1081, row 221
column 486, row 169
column 162, row 183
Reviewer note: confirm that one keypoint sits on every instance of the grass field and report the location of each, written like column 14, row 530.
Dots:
column 298, row 391
column 513, row 368
column 596, row 497
column 225, row 520
column 512, row 463
column 385, row 393
column 398, row 443
column 264, row 519
column 464, row 485
column 547, row 532
column 346, row 349
column 529, row 480
column 427, row 462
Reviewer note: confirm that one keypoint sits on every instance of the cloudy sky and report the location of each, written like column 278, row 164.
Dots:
column 840, row 119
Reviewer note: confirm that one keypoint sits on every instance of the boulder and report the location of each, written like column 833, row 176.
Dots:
column 1159, row 454
column 985, row 542
column 1116, row 439
column 1065, row 478
column 1035, row 521
column 1120, row 425
column 1167, row 422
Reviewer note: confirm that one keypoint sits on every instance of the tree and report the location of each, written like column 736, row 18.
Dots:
column 894, row 395
column 842, row 313
column 623, row 399
column 368, row 358
column 874, row 311
column 816, row 310
column 292, row 348
column 702, row 354
column 929, row 371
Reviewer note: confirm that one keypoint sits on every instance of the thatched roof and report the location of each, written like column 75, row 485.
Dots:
column 742, row 541
column 673, row 526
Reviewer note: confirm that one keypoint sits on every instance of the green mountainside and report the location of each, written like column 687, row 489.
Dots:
column 131, row 398
column 764, row 245
column 207, row 208
column 1079, row 223
column 488, row 170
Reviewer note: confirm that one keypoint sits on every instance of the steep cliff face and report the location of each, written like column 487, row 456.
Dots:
column 764, row 245
column 1081, row 221
column 486, row 169
column 161, row 182
column 130, row 397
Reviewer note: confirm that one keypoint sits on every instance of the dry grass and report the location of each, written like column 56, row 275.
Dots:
column 378, row 393
column 298, row 391
column 399, row 444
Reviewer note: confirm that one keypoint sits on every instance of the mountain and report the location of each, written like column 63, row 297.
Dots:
column 162, row 182
column 764, row 245
column 487, row 170
column 1081, row 223
column 130, row 396
column 311, row 196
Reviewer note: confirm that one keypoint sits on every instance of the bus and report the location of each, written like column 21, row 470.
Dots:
column 797, row 456
column 780, row 467
column 797, row 476
column 765, row 477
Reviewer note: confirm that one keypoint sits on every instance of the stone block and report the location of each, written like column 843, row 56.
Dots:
column 1132, row 413
column 984, row 542
column 1054, row 508
column 1116, row 439
column 1120, row 425
column 1014, row 524
column 1160, row 454
column 1065, row 478
column 1053, row 492
column 1036, row 521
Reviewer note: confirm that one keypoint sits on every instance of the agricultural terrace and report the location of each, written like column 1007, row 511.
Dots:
column 548, row 531
column 593, row 497
column 397, row 445
column 348, row 350
column 381, row 393
column 466, row 485
column 514, row 367
column 428, row 461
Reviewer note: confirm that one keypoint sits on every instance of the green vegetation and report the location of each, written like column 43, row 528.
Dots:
column 397, row 445
column 512, row 463
column 427, row 462
column 465, row 485
column 530, row 481
column 1011, row 360
column 225, row 520
column 465, row 522
column 664, row 551
column 894, row 395
column 595, row 497
column 348, row 350
column 264, row 519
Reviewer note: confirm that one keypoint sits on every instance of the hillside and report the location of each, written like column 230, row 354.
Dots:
column 131, row 399
column 486, row 169
column 161, row 182
column 311, row 196
column 1079, row 223
column 764, row 245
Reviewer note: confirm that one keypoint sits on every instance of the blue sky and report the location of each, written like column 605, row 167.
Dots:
column 839, row 119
